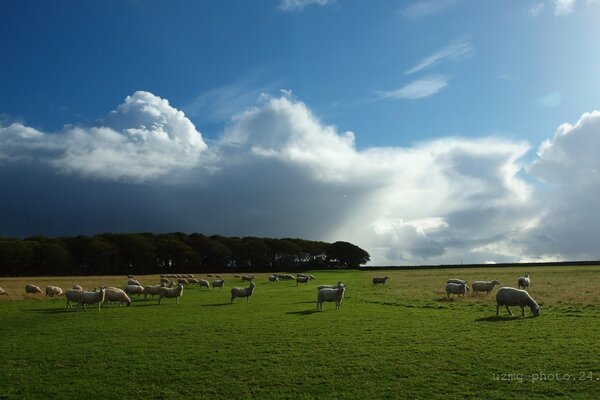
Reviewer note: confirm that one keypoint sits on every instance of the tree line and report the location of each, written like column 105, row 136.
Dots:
column 149, row 253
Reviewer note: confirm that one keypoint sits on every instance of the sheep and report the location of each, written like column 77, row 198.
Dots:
column 243, row 292
column 523, row 281
column 182, row 281
column 237, row 276
column 3, row 292
column 454, row 280
column 117, row 295
column 218, row 283
column 164, row 280
column 273, row 278
column 311, row 277
column 84, row 298
column 484, row 286
column 302, row 279
column 378, row 280
column 287, row 277
column 72, row 295
column 337, row 285
column 456, row 288
column 209, row 275
column 133, row 282
column 151, row 290
column 204, row 283
column 331, row 294
column 134, row 289
column 189, row 276
column 508, row 296
column 130, row 277
column 53, row 291
column 218, row 277
column 193, row 280
column 170, row 293
column 32, row 289
column 76, row 287
column 248, row 278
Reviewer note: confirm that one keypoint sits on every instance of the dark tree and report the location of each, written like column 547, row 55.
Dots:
column 349, row 255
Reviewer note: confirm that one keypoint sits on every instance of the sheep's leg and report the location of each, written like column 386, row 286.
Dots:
column 523, row 311
column 497, row 309
column 509, row 312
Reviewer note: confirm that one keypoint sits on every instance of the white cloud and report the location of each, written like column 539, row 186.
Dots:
column 297, row 5
column 536, row 9
column 551, row 100
column 425, row 8
column 563, row 7
column 417, row 89
column 456, row 51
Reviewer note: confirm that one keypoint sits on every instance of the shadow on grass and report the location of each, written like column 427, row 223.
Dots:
column 305, row 312
column 506, row 318
column 54, row 310
column 445, row 299
column 216, row 305
column 305, row 302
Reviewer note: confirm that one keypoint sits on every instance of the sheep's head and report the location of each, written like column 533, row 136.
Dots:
column 495, row 282
column 535, row 310
column 252, row 284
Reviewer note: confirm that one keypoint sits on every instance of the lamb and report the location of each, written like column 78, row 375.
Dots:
column 218, row 283
column 331, row 294
column 243, row 292
column 32, row 289
column 171, row 293
column 134, row 289
column 151, row 291
column 133, row 282
column 484, row 286
column 53, row 291
column 302, row 279
column 248, row 278
column 337, row 285
column 113, row 294
column 91, row 298
column 508, row 296
column 523, row 281
column 204, row 283
column 3, row 292
column 273, row 278
column 456, row 288
column 379, row 280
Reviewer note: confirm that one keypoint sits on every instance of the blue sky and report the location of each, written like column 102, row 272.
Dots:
column 376, row 80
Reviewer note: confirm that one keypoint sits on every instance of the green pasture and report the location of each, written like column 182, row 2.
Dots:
column 401, row 340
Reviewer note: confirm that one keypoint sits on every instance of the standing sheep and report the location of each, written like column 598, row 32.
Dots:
column 72, row 295
column 117, row 295
column 152, row 291
column 337, row 285
column 331, row 294
column 243, row 292
column 455, row 280
column 134, row 289
column 456, row 288
column 133, row 282
column 273, row 278
column 171, row 293
column 377, row 281
column 218, row 283
column 484, row 286
column 32, row 289
column 91, row 298
column 53, row 291
column 523, row 281
column 508, row 296
column 249, row 278
column 76, row 287
column 302, row 279
column 204, row 283
column 3, row 292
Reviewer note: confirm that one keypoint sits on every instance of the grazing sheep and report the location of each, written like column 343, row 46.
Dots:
column 182, row 281
column 249, row 278
column 331, row 294
column 116, row 295
column 237, row 276
column 32, row 289
column 188, row 276
column 243, row 292
column 218, row 283
column 379, row 280
column 456, row 288
column 523, row 281
column 171, row 293
column 91, row 298
column 193, row 280
column 53, row 291
column 151, row 291
column 273, row 278
column 165, row 280
column 209, row 275
column 76, row 287
column 287, row 277
column 508, row 296
column 133, row 282
column 218, row 277
column 311, row 277
column 302, row 279
column 454, row 280
column 134, row 289
column 3, row 292
column 484, row 286
column 337, row 285
column 204, row 283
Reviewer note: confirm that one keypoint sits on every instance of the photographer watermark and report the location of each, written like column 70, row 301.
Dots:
column 548, row 377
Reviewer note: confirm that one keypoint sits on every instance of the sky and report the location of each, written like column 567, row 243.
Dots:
column 426, row 132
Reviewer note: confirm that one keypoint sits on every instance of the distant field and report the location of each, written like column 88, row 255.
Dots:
column 402, row 340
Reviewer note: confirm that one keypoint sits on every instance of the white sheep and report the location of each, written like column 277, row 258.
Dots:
column 337, row 285
column 218, row 277
column 455, row 280
column 483, row 286
column 182, row 281
column 29, row 288
column 133, row 282
column 523, row 281
column 3, row 292
column 248, row 278
column 113, row 294
column 151, row 291
column 273, row 278
column 76, row 287
column 331, row 294
column 218, row 283
column 91, row 298
column 243, row 292
column 302, row 279
column 134, row 289
column 53, row 291
column 171, row 293
column 379, row 280
column 508, row 296
column 456, row 288
column 164, row 280
column 72, row 295
column 204, row 283
column 193, row 280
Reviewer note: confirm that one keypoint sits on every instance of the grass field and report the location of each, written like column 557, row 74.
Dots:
column 402, row 340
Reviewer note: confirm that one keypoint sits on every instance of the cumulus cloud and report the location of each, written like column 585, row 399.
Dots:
column 455, row 51
column 417, row 89
column 277, row 170
column 297, row 5
column 563, row 7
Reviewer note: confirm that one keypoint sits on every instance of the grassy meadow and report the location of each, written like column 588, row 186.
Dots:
column 401, row 340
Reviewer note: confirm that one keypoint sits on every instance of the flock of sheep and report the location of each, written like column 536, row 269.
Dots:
column 506, row 296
